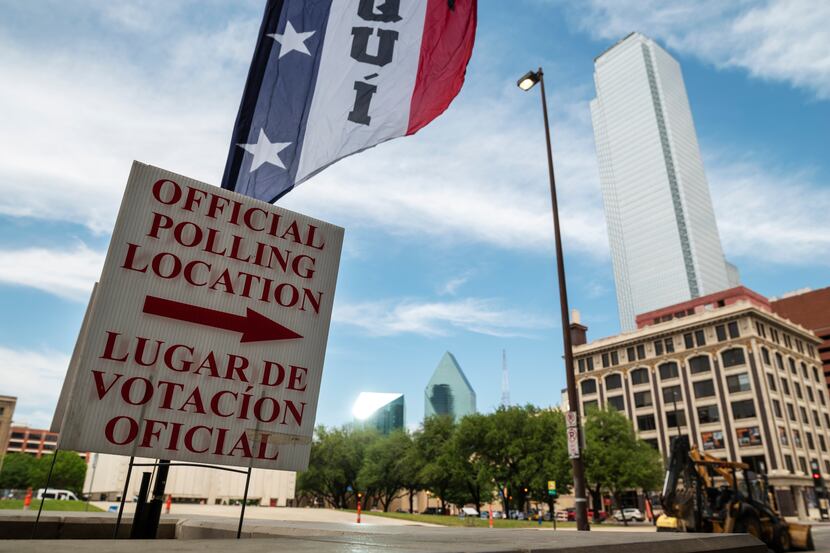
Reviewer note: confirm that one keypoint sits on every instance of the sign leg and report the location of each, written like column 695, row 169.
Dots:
column 244, row 503
column 123, row 497
column 43, row 499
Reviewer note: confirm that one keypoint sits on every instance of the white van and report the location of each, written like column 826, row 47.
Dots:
column 52, row 493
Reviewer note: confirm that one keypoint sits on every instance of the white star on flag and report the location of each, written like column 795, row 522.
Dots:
column 265, row 151
column 291, row 40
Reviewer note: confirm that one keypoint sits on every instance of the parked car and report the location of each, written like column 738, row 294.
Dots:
column 630, row 514
column 53, row 493
column 562, row 515
column 498, row 514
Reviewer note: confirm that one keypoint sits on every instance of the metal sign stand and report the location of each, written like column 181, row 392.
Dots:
column 123, row 497
column 43, row 499
column 244, row 503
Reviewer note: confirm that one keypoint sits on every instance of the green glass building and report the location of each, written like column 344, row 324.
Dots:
column 449, row 392
column 382, row 411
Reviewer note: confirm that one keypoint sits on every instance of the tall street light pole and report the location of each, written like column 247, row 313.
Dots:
column 527, row 82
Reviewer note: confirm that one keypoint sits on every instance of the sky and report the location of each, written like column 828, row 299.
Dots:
column 449, row 241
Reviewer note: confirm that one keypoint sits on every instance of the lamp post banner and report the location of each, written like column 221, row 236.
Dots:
column 208, row 333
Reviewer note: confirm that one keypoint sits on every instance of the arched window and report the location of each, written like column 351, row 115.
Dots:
column 639, row 376
column 733, row 357
column 668, row 370
column 589, row 386
column 699, row 364
column 613, row 381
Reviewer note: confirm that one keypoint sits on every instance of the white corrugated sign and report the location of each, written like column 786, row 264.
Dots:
column 208, row 332
column 573, row 443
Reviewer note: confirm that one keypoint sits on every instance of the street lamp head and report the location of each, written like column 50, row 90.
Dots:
column 529, row 80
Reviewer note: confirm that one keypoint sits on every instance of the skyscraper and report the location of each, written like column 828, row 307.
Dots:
column 448, row 391
column 665, row 246
column 382, row 411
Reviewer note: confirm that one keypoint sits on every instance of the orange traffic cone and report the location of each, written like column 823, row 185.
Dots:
column 167, row 504
column 28, row 500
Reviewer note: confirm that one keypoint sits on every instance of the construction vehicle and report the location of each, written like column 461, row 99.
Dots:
column 702, row 493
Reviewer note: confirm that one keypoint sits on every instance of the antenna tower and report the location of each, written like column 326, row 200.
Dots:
column 505, row 381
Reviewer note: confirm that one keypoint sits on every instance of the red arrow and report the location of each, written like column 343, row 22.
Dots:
column 254, row 326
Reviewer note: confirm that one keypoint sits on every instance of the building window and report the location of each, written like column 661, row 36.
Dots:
column 639, row 376
column 700, row 338
column 613, row 381
column 771, row 382
column 688, row 341
column 699, row 364
column 821, row 398
column 581, row 365
column 802, row 462
column 774, row 335
column 641, row 351
column 18, row 435
column 675, row 419
column 642, row 399
column 776, row 408
column 605, row 361
column 789, row 462
column 799, row 345
column 791, row 412
column 787, row 341
column 743, row 409
column 652, row 442
column 748, row 436
column 733, row 330
column 822, row 443
column 671, row 394
column 785, row 386
column 827, row 420
column 803, row 412
column 669, row 345
column 782, row 436
column 810, row 442
column 590, row 363
column 629, row 353
column 733, row 357
column 646, row 423
column 791, row 362
column 707, row 414
column 589, row 386
column 658, row 347
column 815, row 374
column 761, row 330
column 704, row 388
column 616, row 403
column 804, row 371
column 712, row 440
column 615, row 358
column 587, row 405
column 797, row 438
column 765, row 356
column 738, row 383
column 668, row 370
column 720, row 332
column 779, row 361
column 797, row 387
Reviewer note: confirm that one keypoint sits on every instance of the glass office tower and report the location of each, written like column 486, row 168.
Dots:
column 449, row 392
column 382, row 411
column 665, row 246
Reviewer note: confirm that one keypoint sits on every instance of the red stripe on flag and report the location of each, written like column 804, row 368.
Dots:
column 446, row 47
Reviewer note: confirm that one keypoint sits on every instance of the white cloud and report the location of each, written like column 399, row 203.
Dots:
column 781, row 40
column 68, row 274
column 769, row 214
column 38, row 392
column 452, row 285
column 393, row 317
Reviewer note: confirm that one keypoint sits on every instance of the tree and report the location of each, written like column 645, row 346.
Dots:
column 471, row 467
column 411, row 465
column 547, row 429
column 68, row 474
column 615, row 459
column 438, row 474
column 17, row 469
column 382, row 467
column 335, row 462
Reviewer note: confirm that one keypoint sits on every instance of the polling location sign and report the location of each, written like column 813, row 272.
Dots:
column 207, row 334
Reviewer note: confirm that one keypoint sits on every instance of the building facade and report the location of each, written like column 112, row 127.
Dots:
column 742, row 382
column 810, row 309
column 7, row 404
column 448, row 391
column 34, row 441
column 385, row 412
column 106, row 474
column 665, row 246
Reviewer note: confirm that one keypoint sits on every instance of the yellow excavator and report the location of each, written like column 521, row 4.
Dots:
column 702, row 493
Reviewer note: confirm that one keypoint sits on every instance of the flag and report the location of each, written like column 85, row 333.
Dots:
column 330, row 78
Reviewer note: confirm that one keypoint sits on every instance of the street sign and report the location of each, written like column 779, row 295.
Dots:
column 573, row 443
column 207, row 332
column 570, row 419
column 552, row 487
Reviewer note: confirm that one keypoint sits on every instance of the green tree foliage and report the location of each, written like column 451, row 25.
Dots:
column 335, row 462
column 17, row 468
column 411, row 468
column 439, row 473
column 68, row 474
column 383, row 467
column 472, row 470
column 615, row 459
